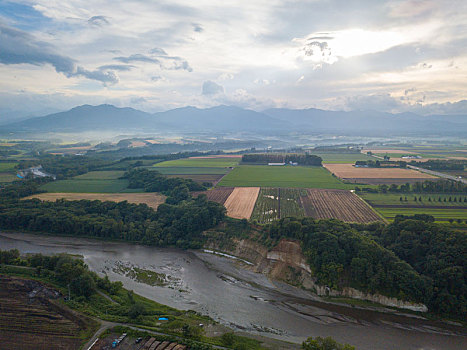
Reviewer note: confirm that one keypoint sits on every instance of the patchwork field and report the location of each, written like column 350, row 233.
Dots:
column 191, row 170
column 83, row 186
column 7, row 166
column 101, row 175
column 282, row 176
column 214, row 179
column 275, row 203
column 342, row 157
column 218, row 195
column 7, row 177
column 241, row 202
column 443, row 214
column 338, row 204
column 350, row 173
column 200, row 162
column 415, row 200
column 152, row 200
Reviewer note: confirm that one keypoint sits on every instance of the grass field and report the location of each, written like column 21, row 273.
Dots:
column 191, row 170
column 343, row 157
column 86, row 186
column 267, row 206
column 101, row 175
column 200, row 162
column 438, row 214
column 282, row 176
column 7, row 166
column 381, row 199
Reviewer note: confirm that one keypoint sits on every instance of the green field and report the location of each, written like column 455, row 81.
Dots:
column 282, row 176
column 7, row 177
column 343, row 157
column 7, row 166
column 200, row 162
column 86, row 186
column 275, row 202
column 101, row 175
column 191, row 170
column 438, row 214
column 377, row 199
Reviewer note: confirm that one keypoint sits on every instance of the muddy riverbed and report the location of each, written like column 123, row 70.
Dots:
column 229, row 293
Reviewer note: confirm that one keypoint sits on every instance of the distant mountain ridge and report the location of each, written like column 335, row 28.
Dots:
column 225, row 119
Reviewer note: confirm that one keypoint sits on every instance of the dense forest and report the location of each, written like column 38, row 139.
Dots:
column 264, row 158
column 411, row 259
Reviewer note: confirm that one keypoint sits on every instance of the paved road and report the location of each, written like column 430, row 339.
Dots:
column 435, row 173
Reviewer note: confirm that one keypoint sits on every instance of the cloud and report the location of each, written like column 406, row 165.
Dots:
column 119, row 67
column 197, row 27
column 98, row 21
column 211, row 88
column 17, row 47
column 136, row 58
column 157, row 56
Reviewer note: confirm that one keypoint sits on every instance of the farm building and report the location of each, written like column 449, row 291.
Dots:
column 276, row 164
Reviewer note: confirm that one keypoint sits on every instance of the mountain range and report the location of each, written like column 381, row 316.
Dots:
column 225, row 119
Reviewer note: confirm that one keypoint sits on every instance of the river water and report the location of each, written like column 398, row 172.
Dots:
column 234, row 296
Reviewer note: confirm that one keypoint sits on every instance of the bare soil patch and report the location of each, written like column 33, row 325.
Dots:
column 338, row 204
column 152, row 200
column 241, row 202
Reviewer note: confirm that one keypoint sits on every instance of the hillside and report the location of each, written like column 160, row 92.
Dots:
column 224, row 119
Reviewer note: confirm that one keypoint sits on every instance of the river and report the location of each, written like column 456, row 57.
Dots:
column 221, row 288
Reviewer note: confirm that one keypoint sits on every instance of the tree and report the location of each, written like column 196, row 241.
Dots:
column 136, row 310
column 324, row 344
column 83, row 285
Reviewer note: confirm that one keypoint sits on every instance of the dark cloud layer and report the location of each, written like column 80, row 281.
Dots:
column 98, row 21
column 157, row 56
column 17, row 47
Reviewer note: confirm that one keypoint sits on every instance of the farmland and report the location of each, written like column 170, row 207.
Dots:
column 7, row 166
column 218, row 195
column 191, row 170
column 91, row 186
column 275, row 203
column 152, row 200
column 353, row 174
column 101, row 175
column 415, row 199
column 342, row 157
column 7, row 177
column 200, row 162
column 338, row 204
column 444, row 214
column 37, row 322
column 241, row 202
column 281, row 176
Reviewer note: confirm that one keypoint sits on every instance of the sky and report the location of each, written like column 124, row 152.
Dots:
column 394, row 56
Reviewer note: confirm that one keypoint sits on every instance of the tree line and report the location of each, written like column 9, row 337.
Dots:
column 439, row 186
column 438, row 164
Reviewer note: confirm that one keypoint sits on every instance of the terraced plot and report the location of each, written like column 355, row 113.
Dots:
column 337, row 204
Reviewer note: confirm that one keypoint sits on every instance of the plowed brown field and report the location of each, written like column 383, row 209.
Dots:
column 152, row 200
column 241, row 202
column 218, row 195
column 338, row 204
